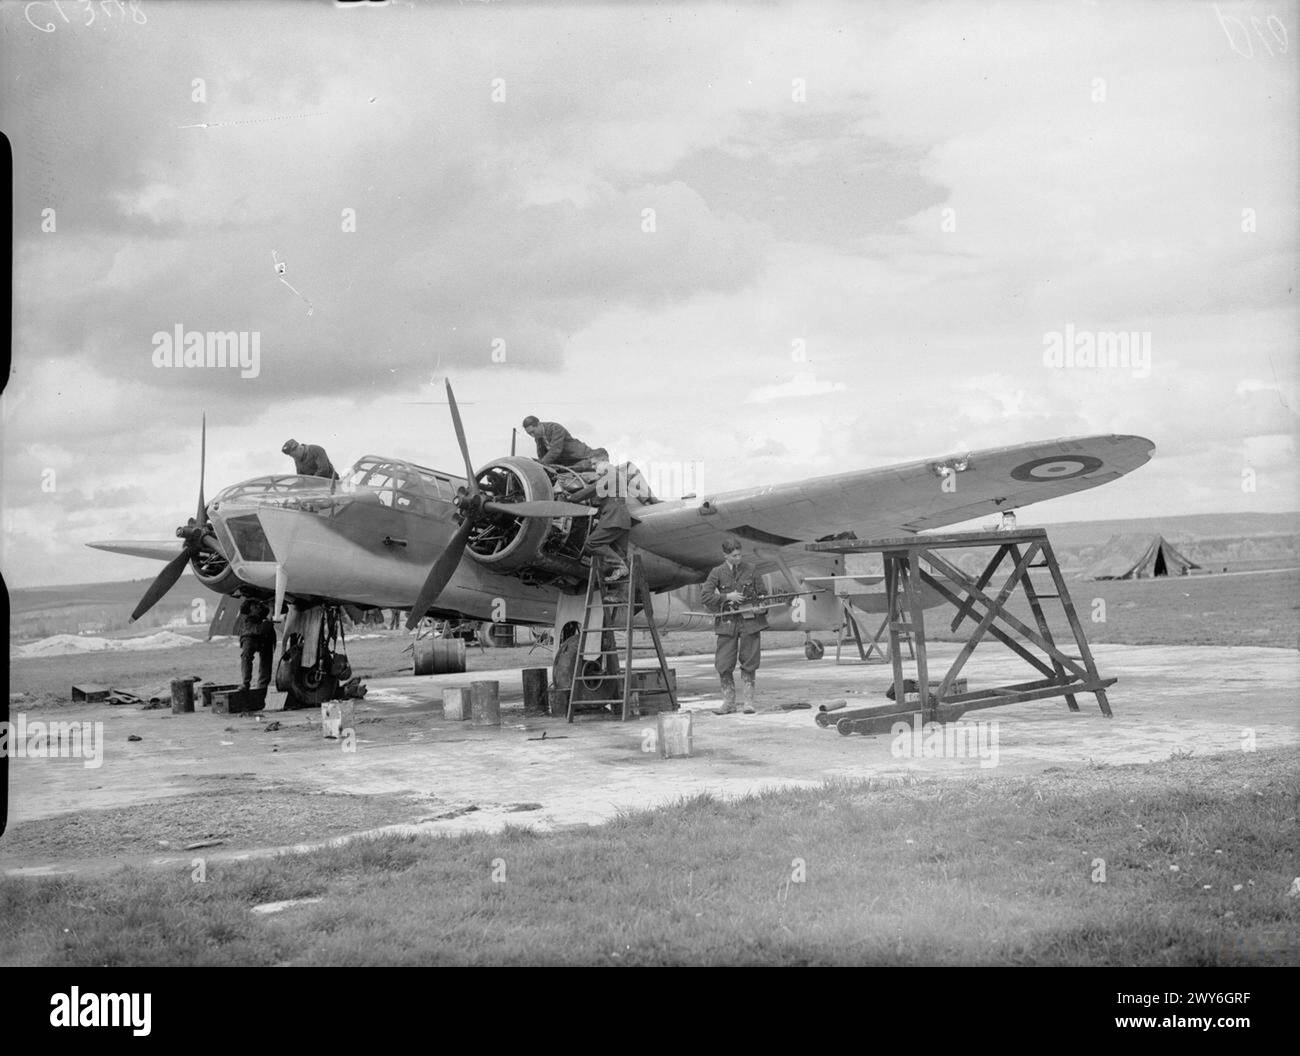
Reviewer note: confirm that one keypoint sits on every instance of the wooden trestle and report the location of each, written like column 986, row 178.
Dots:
column 914, row 562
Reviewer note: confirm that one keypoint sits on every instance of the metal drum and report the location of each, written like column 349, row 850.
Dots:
column 439, row 656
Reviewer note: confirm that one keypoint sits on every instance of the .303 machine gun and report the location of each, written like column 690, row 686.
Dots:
column 752, row 604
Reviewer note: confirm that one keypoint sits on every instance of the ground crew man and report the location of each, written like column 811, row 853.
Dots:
column 256, row 635
column 309, row 460
column 734, row 585
column 607, row 539
column 555, row 447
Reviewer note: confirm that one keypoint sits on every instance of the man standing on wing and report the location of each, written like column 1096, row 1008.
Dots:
column 729, row 587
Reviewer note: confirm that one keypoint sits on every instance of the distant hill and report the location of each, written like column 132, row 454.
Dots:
column 37, row 612
column 1217, row 542
column 120, row 592
column 1175, row 529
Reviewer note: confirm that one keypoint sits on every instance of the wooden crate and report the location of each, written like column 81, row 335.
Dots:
column 649, row 695
column 208, row 688
column 237, row 701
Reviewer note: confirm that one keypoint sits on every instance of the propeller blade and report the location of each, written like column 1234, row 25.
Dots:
column 460, row 439
column 440, row 574
column 540, row 508
column 166, row 580
column 201, row 517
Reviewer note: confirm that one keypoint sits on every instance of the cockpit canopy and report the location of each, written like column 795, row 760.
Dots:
column 282, row 484
column 393, row 482
column 399, row 484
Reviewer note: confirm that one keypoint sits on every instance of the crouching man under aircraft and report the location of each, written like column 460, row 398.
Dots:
column 256, row 636
column 309, row 460
column 728, row 587
column 556, row 447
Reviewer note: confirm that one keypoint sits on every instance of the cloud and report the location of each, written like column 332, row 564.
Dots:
column 800, row 385
column 914, row 194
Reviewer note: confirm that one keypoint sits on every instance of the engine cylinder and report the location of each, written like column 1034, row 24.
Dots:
column 211, row 568
column 512, row 544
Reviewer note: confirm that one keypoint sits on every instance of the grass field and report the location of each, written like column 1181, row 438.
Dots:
column 1198, row 856
column 1259, row 608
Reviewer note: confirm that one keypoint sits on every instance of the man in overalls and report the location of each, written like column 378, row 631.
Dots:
column 607, row 539
column 256, row 638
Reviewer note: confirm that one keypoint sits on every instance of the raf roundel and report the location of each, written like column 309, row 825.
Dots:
column 1043, row 470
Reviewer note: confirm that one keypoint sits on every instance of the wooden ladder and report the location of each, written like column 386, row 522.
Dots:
column 617, row 603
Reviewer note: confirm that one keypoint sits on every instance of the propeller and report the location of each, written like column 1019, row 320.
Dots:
column 474, row 507
column 191, row 533
column 540, row 508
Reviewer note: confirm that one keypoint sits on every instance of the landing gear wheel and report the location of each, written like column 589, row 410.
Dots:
column 312, row 687
column 813, row 649
column 562, row 669
column 593, row 693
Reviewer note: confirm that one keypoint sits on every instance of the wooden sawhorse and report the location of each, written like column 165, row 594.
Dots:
column 907, row 577
column 866, row 649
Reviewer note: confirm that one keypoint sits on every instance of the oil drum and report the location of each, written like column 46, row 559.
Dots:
column 439, row 656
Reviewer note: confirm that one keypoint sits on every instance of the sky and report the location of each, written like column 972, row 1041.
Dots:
column 762, row 241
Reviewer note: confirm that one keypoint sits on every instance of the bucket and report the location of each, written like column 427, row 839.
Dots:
column 485, row 703
column 182, row 696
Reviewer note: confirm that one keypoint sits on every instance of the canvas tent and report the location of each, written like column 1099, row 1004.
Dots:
column 1140, row 557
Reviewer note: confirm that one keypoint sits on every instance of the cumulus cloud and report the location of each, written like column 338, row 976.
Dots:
column 626, row 219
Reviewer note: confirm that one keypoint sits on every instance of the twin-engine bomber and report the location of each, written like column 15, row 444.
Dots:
column 505, row 541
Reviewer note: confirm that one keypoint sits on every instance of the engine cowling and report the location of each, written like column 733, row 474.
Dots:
column 211, row 568
column 539, row 548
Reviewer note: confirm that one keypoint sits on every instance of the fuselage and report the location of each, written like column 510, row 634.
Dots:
column 370, row 538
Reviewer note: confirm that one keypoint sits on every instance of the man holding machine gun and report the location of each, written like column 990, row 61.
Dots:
column 733, row 586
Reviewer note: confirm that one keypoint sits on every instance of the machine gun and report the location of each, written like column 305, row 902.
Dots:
column 754, row 604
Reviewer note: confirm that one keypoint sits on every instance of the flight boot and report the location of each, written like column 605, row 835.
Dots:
column 728, row 700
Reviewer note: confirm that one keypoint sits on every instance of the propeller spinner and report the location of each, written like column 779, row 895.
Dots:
column 475, row 507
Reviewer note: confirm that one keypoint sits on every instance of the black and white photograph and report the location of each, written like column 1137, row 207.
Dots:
column 556, row 484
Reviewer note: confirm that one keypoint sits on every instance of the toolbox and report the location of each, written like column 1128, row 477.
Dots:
column 235, row 701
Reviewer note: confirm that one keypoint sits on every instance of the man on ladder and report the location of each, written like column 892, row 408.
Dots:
column 728, row 588
column 607, row 539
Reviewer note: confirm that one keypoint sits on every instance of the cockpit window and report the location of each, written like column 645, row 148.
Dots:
column 270, row 486
column 399, row 485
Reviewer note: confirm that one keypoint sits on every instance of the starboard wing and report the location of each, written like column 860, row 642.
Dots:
column 894, row 500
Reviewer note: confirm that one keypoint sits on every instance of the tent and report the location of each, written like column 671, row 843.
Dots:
column 1140, row 557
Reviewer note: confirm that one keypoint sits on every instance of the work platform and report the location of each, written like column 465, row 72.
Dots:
column 914, row 564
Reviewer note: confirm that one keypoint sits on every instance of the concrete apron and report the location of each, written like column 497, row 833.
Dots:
column 1202, row 700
